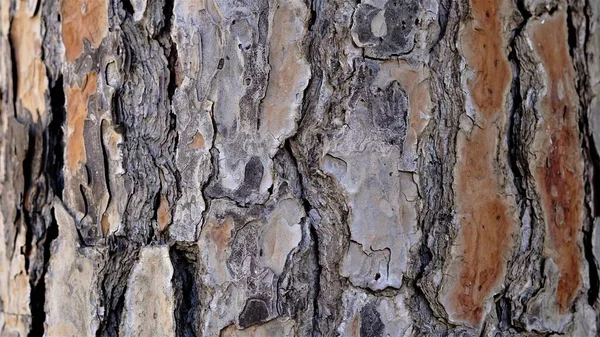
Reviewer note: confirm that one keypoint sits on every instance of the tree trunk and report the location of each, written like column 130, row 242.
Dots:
column 284, row 168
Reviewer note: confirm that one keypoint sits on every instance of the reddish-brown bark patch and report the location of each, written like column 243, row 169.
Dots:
column 83, row 19
column 77, row 110
column 484, row 215
column 163, row 214
column 559, row 172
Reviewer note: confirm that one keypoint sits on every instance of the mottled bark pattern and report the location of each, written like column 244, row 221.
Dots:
column 299, row 168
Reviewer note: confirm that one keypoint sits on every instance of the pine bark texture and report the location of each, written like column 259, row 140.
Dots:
column 358, row 168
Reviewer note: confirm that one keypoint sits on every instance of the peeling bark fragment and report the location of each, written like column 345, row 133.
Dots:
column 485, row 215
column 149, row 298
column 70, row 275
column 374, row 163
column 558, row 169
column 32, row 83
column 289, row 72
column 163, row 214
column 83, row 19
column 251, row 256
column 77, row 98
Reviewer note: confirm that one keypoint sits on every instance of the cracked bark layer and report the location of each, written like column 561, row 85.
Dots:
column 292, row 168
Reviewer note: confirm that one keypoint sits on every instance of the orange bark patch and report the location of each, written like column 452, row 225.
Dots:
column 77, row 110
column 105, row 224
column 484, row 215
column 83, row 19
column 221, row 235
column 163, row 214
column 559, row 172
column 197, row 142
column 31, row 80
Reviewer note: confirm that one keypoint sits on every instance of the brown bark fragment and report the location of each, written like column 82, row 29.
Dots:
column 77, row 110
column 484, row 214
column 83, row 19
column 559, row 172
column 163, row 214
column 31, row 72
column 197, row 142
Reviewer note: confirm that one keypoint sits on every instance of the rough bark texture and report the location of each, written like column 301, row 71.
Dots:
column 292, row 168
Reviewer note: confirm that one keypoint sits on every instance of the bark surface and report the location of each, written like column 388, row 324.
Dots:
column 358, row 168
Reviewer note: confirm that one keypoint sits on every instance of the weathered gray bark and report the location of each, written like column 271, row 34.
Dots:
column 292, row 168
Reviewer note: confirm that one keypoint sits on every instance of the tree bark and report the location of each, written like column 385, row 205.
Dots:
column 293, row 168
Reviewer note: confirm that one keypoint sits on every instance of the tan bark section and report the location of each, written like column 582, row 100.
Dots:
column 83, row 19
column 559, row 170
column 484, row 215
column 70, row 276
column 215, row 237
column 289, row 70
column 77, row 110
column 31, row 73
column 198, row 142
column 149, row 298
column 14, row 284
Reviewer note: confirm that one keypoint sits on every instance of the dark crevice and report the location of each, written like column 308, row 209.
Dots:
column 444, row 13
column 514, row 123
column 105, row 155
column 186, row 289
column 594, row 159
column 516, row 161
column 571, row 33
column 28, row 212
column 54, row 138
column 38, row 292
column 15, row 75
column 128, row 7
column 40, row 229
column 503, row 311
column 592, row 266
column 592, row 186
column 314, row 238
column 122, row 256
column 168, row 15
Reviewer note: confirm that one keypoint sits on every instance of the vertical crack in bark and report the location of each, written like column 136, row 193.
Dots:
column 114, row 276
column 128, row 7
column 579, row 54
column 28, row 213
column 312, row 43
column 185, row 281
column 51, row 167
column 314, row 236
column 54, row 138
column 515, row 159
column 14, row 73
column 38, row 293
